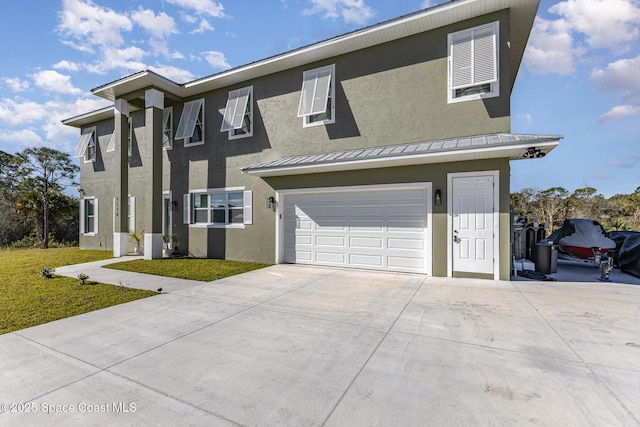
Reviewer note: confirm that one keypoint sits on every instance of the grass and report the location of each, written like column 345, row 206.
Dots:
column 28, row 300
column 204, row 270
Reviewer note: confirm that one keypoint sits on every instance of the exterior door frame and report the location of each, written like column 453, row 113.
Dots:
column 496, row 218
column 281, row 196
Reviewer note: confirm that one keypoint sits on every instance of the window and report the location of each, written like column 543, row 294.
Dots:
column 191, row 126
column 473, row 63
column 130, row 137
column 167, row 128
column 112, row 143
column 87, row 146
column 238, row 114
column 219, row 208
column 317, row 98
column 89, row 216
column 131, row 214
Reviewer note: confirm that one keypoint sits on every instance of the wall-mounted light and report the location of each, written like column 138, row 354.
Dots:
column 271, row 202
column 174, row 205
column 438, row 197
column 533, row 153
column 81, row 191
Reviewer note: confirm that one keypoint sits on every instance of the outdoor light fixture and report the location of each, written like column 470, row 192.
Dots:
column 174, row 205
column 271, row 201
column 438, row 197
column 533, row 153
column 81, row 191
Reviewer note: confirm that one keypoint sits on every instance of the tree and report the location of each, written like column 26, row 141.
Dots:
column 550, row 203
column 42, row 175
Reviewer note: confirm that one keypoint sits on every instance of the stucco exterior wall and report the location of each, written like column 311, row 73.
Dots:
column 389, row 94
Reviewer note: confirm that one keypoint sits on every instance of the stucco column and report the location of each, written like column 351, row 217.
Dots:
column 154, row 105
column 120, row 200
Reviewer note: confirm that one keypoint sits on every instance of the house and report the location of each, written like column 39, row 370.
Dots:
column 385, row 148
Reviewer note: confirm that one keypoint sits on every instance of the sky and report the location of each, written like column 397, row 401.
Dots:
column 580, row 75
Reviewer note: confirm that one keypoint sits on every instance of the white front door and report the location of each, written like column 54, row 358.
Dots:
column 473, row 214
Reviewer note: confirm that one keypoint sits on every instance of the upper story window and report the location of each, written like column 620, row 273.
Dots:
column 317, row 99
column 87, row 147
column 130, row 136
column 238, row 114
column 112, row 143
column 167, row 128
column 191, row 125
column 473, row 63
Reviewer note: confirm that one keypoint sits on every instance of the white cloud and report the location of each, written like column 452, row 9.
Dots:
column 174, row 73
column 66, row 65
column 24, row 137
column 550, row 48
column 351, row 11
column 622, row 76
column 216, row 60
column 16, row 84
column 527, row 117
column 201, row 7
column 159, row 26
column 92, row 25
column 425, row 4
column 619, row 112
column 20, row 112
column 633, row 160
column 608, row 24
column 53, row 81
column 556, row 45
column 203, row 27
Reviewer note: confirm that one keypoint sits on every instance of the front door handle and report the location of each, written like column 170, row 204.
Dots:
column 456, row 239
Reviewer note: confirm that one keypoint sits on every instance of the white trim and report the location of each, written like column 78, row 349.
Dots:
column 111, row 147
column 494, row 82
column 189, row 120
column 131, row 214
column 247, row 201
column 281, row 196
column 331, row 95
column 83, row 217
column 167, row 115
column 496, row 218
column 238, row 105
column 221, row 189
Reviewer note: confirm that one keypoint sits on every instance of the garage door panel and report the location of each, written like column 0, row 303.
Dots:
column 406, row 263
column 376, row 229
column 335, row 241
column 331, row 257
column 368, row 261
column 406, row 243
column 366, row 242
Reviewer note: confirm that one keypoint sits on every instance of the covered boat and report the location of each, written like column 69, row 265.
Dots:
column 582, row 238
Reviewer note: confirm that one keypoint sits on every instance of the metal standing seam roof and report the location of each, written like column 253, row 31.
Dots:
column 497, row 145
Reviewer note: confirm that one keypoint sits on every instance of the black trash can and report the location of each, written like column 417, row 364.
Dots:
column 546, row 258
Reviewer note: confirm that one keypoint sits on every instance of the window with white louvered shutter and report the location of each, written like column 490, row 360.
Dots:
column 473, row 63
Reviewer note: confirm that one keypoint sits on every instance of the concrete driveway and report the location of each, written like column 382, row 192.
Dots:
column 300, row 346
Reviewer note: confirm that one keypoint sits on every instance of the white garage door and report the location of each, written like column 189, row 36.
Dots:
column 376, row 229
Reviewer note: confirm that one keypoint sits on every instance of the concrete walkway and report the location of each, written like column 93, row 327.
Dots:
column 300, row 346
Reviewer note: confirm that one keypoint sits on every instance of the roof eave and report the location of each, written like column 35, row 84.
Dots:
column 513, row 151
column 90, row 117
column 522, row 14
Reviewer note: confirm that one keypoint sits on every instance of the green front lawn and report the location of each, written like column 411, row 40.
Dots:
column 204, row 270
column 28, row 300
